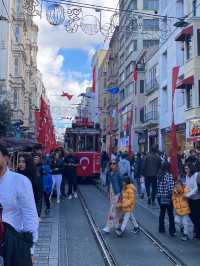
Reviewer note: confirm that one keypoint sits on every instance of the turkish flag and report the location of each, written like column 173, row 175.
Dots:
column 69, row 96
column 174, row 146
column 135, row 73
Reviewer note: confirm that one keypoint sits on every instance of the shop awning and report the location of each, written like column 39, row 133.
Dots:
column 185, row 82
column 184, row 33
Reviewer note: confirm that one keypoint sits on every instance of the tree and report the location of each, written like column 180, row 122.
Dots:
column 5, row 117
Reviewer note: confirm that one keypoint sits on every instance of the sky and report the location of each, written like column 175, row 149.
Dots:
column 64, row 60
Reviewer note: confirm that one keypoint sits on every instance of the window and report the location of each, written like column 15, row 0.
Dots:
column 16, row 66
column 122, row 95
column 165, row 99
column 135, row 88
column 121, row 59
column 164, row 65
column 132, row 47
column 18, row 6
column 129, row 70
column 198, row 42
column 150, row 43
column 141, row 86
column 189, row 97
column 188, row 44
column 199, row 92
column 135, row 115
column 17, row 34
column 122, row 77
column 15, row 99
column 151, row 24
column 151, row 4
column 142, row 115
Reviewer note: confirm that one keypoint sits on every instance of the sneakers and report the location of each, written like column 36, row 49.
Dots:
column 106, row 230
column 119, row 232
column 75, row 195
column 136, row 230
column 184, row 238
column 58, row 201
column 69, row 197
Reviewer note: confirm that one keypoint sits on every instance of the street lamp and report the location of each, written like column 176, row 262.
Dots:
column 181, row 23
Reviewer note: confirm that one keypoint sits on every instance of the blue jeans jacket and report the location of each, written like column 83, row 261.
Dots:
column 115, row 180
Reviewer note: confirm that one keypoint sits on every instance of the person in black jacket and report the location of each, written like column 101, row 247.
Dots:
column 57, row 170
column 151, row 169
column 31, row 168
column 193, row 160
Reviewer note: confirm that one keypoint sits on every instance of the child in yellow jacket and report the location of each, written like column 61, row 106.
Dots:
column 181, row 207
column 126, row 206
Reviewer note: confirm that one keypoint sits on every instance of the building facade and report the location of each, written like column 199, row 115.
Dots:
column 20, row 81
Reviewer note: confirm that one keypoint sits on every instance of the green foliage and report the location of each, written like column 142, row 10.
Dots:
column 5, row 117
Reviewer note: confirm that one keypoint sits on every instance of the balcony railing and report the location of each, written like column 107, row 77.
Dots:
column 152, row 116
column 151, row 86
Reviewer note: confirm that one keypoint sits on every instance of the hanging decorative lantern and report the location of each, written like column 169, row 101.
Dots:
column 71, row 26
column 55, row 14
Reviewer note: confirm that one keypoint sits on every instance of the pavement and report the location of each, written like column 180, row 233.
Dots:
column 65, row 238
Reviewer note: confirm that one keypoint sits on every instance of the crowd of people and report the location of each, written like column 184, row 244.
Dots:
column 22, row 193
column 151, row 174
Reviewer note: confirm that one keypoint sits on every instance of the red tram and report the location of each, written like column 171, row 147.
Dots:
column 83, row 139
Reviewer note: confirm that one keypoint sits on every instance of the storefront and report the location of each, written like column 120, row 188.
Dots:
column 193, row 133
column 153, row 137
column 143, row 141
column 123, row 144
column 180, row 136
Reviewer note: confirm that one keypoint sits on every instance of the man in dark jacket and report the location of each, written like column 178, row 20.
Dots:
column 151, row 169
column 70, row 166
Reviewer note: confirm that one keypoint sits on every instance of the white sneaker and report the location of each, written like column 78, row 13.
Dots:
column 106, row 230
column 70, row 197
column 58, row 201
column 75, row 195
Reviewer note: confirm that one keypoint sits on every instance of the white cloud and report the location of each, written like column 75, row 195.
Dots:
column 50, row 62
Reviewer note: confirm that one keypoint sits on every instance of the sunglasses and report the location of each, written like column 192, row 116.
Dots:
column 112, row 163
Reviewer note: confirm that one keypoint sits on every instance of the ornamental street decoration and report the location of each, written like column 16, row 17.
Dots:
column 74, row 17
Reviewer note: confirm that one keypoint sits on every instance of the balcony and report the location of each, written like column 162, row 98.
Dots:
column 151, row 118
column 151, row 86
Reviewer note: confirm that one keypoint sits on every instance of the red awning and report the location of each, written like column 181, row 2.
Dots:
column 184, row 33
column 185, row 82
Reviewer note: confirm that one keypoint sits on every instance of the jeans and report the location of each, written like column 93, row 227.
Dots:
column 138, row 183
column 183, row 221
column 46, row 199
column 72, row 184
column 169, row 209
column 57, row 180
column 125, row 219
column 63, row 183
column 195, row 215
column 151, row 186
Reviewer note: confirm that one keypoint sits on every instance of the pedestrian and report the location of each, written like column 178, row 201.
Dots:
column 126, row 206
column 196, row 209
column 151, row 167
column 57, row 170
column 47, row 182
column 165, row 186
column 124, row 166
column 104, row 161
column 19, row 215
column 114, row 186
column 37, row 182
column 137, row 175
column 181, row 206
column 192, row 195
column 193, row 160
column 70, row 172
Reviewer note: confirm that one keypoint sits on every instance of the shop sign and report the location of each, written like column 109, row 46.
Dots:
column 194, row 128
column 124, row 142
column 179, row 127
column 153, row 133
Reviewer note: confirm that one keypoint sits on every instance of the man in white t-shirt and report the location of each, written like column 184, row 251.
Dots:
column 19, row 214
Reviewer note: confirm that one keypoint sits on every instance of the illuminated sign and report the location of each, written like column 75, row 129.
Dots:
column 194, row 127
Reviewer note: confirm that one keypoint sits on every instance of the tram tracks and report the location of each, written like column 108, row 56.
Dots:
column 161, row 247
column 108, row 257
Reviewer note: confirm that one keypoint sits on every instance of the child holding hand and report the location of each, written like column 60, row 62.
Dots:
column 126, row 206
column 181, row 207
